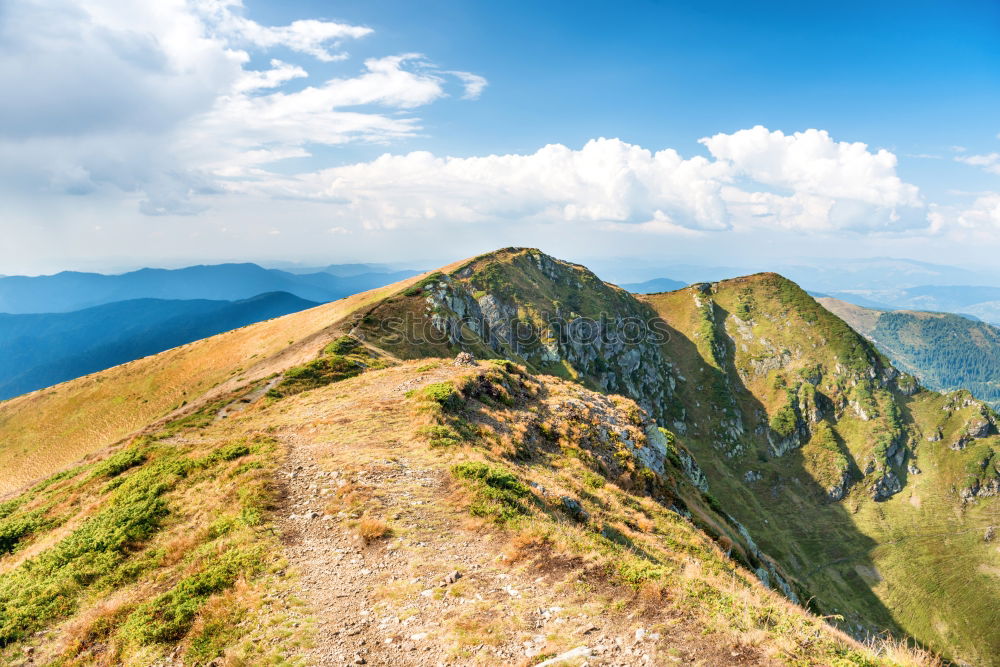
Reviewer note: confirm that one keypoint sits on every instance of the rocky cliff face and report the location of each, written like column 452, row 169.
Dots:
column 558, row 318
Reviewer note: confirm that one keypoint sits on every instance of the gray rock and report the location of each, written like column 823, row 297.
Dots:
column 464, row 359
column 885, row 486
column 573, row 507
column 978, row 427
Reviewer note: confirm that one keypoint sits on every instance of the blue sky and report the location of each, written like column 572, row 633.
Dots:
column 135, row 137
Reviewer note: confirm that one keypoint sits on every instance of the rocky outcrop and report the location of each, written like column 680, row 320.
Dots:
column 886, row 485
column 693, row 471
column 766, row 572
column 839, row 490
column 618, row 352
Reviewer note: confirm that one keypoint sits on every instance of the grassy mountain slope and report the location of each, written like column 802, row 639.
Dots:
column 945, row 351
column 844, row 470
column 48, row 429
column 787, row 440
column 561, row 537
column 43, row 349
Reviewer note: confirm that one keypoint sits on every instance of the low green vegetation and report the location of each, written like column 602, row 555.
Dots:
column 344, row 358
column 418, row 288
column 824, row 457
column 498, row 494
column 129, row 515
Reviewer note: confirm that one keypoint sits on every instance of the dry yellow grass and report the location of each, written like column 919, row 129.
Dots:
column 373, row 529
column 49, row 429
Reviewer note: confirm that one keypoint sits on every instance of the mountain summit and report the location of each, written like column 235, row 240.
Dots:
column 622, row 482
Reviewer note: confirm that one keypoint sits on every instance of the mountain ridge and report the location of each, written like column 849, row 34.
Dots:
column 803, row 438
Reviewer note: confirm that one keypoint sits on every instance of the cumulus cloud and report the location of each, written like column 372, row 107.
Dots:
column 159, row 100
column 827, row 183
column 982, row 215
column 754, row 179
column 607, row 180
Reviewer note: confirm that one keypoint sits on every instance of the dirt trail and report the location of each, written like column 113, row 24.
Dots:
column 395, row 601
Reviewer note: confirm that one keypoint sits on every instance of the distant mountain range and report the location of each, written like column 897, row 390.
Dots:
column 981, row 302
column 822, row 275
column 654, row 286
column 43, row 349
column 72, row 290
column 945, row 351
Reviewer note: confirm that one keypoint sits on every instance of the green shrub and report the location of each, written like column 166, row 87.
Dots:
column 232, row 451
column 418, row 288
column 49, row 585
column 169, row 616
column 439, row 435
column 14, row 529
column 120, row 462
column 343, row 345
column 317, row 373
column 784, row 421
column 593, row 480
column 497, row 491
column 444, row 394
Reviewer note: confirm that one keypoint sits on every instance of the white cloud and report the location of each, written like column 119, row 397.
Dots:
column 474, row 84
column 607, row 180
column 981, row 216
column 279, row 74
column 989, row 162
column 755, row 179
column 827, row 184
column 158, row 100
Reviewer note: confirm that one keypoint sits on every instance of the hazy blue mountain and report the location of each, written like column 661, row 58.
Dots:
column 823, row 275
column 72, row 290
column 42, row 349
column 970, row 300
column 341, row 270
column 654, row 286
column 877, row 273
